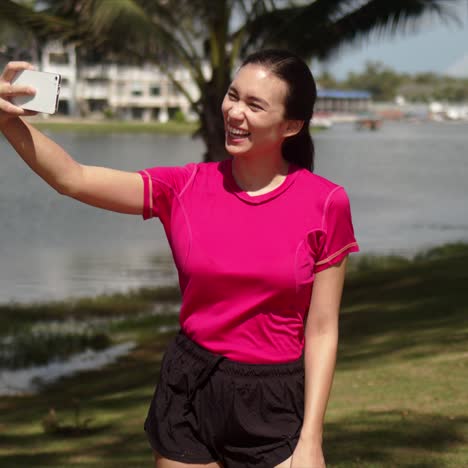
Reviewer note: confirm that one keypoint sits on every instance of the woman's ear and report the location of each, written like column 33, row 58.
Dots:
column 293, row 127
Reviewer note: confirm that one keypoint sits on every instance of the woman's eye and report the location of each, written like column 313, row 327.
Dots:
column 255, row 107
column 232, row 96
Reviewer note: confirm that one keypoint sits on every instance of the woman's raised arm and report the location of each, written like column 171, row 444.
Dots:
column 97, row 186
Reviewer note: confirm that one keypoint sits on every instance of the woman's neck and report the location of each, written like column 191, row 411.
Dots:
column 259, row 174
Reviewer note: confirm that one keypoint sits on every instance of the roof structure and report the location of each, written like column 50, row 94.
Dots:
column 343, row 94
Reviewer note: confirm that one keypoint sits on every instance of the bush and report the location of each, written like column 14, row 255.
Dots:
column 179, row 117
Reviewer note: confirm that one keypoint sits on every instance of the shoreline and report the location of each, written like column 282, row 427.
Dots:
column 15, row 317
column 106, row 126
column 71, row 124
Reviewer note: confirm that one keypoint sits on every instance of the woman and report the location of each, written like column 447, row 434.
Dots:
column 247, row 380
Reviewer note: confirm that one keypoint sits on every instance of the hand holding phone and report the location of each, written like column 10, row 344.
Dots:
column 47, row 86
column 7, row 109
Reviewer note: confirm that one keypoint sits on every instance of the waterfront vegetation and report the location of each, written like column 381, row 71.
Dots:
column 45, row 341
column 398, row 399
column 33, row 334
column 385, row 84
column 115, row 126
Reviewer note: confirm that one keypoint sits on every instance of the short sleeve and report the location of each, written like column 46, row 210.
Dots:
column 161, row 185
column 337, row 226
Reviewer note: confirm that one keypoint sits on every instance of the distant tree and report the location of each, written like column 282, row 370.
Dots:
column 327, row 80
column 429, row 86
column 451, row 91
column 426, row 78
column 188, row 32
column 380, row 80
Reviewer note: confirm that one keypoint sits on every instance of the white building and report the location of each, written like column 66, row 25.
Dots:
column 59, row 59
column 129, row 92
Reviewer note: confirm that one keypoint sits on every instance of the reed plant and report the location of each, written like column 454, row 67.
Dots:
column 48, row 341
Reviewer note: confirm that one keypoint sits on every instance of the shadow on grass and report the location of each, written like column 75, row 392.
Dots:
column 393, row 438
column 373, row 439
column 121, row 392
column 127, row 383
column 129, row 451
column 417, row 310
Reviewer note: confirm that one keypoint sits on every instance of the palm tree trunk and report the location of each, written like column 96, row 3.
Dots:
column 212, row 124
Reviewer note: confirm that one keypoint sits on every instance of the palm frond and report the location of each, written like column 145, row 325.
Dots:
column 40, row 23
column 322, row 27
column 123, row 14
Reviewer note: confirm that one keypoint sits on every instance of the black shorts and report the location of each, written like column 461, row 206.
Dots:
column 208, row 408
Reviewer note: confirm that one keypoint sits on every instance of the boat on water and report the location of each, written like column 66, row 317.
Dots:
column 368, row 122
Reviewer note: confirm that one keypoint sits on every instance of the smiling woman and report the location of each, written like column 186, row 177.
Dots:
column 253, row 112
column 260, row 245
column 265, row 230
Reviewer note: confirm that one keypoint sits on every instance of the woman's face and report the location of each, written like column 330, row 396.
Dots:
column 253, row 111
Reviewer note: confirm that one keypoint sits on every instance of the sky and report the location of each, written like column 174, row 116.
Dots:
column 436, row 47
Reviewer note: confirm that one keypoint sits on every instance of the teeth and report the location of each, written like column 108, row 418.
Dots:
column 237, row 132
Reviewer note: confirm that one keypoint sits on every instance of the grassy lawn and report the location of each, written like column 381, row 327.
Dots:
column 114, row 126
column 399, row 397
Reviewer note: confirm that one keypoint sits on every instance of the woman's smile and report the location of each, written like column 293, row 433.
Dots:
column 236, row 133
column 253, row 111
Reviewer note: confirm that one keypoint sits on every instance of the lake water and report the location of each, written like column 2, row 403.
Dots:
column 407, row 185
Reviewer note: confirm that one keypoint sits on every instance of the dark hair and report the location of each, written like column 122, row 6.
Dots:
column 300, row 100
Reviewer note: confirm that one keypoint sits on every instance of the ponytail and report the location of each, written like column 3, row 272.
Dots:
column 299, row 149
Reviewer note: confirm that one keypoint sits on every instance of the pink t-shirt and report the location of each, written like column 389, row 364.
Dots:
column 246, row 263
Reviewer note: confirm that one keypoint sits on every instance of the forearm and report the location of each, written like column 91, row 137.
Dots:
column 319, row 360
column 47, row 159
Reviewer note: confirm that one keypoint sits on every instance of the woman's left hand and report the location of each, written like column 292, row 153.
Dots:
column 308, row 455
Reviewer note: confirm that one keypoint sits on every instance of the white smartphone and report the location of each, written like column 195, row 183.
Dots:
column 47, row 86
